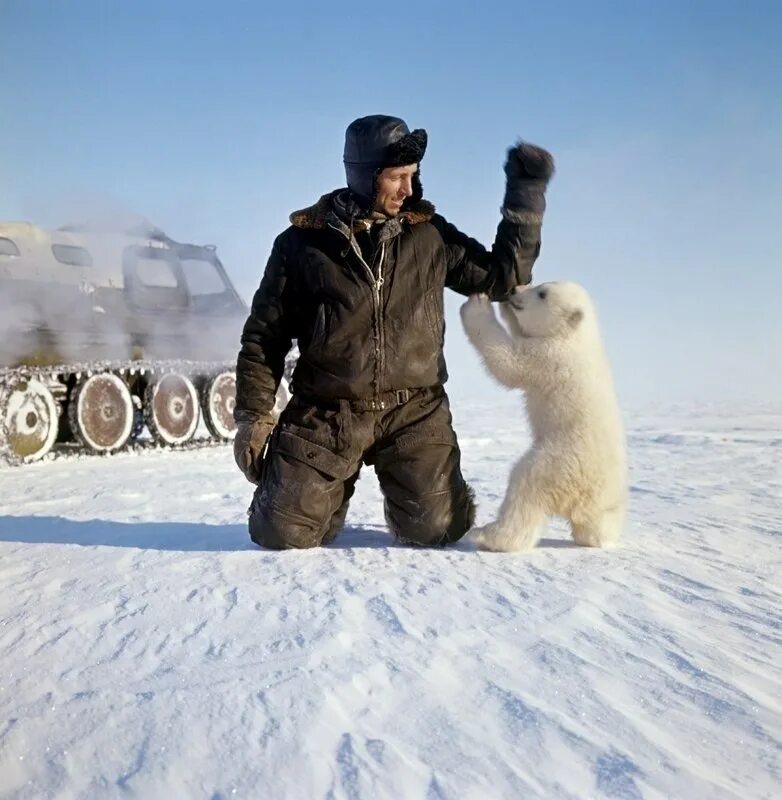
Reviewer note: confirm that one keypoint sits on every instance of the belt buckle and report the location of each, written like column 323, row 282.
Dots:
column 402, row 396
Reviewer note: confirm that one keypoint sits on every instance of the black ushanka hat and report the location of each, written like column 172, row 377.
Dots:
column 374, row 143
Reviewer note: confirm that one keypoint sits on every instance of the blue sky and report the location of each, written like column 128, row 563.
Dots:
column 217, row 120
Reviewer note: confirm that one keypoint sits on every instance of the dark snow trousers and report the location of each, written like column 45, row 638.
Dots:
column 315, row 454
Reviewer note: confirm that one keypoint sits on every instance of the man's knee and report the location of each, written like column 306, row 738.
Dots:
column 277, row 530
column 432, row 519
column 303, row 487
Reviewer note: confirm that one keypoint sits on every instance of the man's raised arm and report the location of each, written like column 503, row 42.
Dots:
column 471, row 267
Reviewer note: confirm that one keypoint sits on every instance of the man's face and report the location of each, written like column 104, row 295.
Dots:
column 394, row 186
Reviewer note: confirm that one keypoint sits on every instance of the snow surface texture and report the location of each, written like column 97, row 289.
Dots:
column 148, row 649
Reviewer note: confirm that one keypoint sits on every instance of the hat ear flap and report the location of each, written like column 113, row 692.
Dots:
column 362, row 182
column 418, row 191
column 373, row 198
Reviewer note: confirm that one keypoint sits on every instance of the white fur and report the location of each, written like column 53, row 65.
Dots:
column 576, row 467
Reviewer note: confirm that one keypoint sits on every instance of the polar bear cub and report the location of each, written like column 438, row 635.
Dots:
column 576, row 467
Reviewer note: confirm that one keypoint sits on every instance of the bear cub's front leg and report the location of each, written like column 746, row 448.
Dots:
column 491, row 340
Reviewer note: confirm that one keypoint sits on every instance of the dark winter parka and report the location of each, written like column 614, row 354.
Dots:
column 366, row 305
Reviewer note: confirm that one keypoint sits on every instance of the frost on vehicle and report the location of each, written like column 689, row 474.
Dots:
column 108, row 336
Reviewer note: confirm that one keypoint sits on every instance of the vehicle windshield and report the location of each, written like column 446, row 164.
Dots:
column 203, row 277
column 156, row 273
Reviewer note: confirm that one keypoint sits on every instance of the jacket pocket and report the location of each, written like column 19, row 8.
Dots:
column 301, row 489
column 314, row 455
column 320, row 330
column 432, row 316
column 424, row 436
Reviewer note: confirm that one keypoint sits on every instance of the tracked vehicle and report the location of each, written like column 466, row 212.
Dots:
column 109, row 338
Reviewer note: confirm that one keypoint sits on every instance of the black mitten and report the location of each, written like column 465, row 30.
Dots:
column 528, row 170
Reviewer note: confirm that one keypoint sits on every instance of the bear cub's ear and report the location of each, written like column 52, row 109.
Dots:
column 575, row 318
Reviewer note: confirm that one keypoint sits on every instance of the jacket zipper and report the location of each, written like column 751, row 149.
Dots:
column 377, row 292
column 380, row 320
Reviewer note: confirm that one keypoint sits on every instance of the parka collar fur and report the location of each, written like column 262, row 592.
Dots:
column 323, row 214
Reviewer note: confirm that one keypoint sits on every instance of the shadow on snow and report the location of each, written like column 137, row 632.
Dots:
column 177, row 536
column 186, row 536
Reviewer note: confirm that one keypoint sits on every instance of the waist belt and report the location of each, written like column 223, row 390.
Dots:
column 380, row 402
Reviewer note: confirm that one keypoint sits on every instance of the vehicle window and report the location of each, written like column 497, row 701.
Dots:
column 7, row 247
column 71, row 255
column 156, row 273
column 202, row 277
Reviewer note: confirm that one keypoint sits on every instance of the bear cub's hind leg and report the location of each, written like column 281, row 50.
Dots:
column 601, row 530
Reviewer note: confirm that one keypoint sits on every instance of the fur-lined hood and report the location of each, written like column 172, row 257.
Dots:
column 319, row 215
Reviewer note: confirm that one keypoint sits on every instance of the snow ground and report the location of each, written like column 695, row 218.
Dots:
column 148, row 649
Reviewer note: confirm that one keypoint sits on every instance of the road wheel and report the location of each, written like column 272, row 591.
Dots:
column 29, row 419
column 101, row 411
column 171, row 408
column 218, row 399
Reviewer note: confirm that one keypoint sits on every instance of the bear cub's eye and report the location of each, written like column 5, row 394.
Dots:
column 542, row 294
